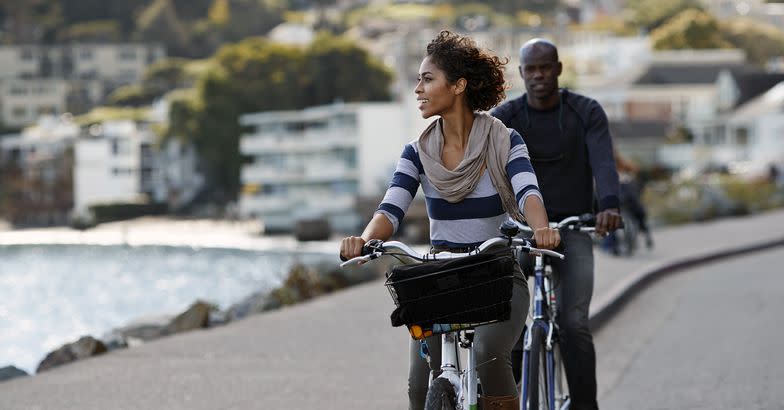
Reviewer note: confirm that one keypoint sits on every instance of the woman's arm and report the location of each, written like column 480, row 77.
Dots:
column 536, row 217
column 378, row 228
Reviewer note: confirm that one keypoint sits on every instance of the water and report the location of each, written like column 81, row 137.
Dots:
column 54, row 294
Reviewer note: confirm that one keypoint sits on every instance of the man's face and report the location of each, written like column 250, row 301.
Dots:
column 540, row 70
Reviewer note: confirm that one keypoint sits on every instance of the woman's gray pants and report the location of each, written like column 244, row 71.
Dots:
column 490, row 341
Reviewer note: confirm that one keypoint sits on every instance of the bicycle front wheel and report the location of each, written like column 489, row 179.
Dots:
column 441, row 395
column 560, row 387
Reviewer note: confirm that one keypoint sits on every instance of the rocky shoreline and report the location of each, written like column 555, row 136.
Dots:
column 302, row 283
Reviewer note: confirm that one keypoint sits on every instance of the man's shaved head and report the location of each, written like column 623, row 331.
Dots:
column 539, row 47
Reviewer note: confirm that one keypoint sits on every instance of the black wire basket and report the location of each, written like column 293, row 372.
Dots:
column 454, row 294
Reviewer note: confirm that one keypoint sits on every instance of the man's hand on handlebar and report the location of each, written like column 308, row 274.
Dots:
column 547, row 238
column 608, row 220
column 351, row 247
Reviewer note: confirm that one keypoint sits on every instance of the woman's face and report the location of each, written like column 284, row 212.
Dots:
column 434, row 93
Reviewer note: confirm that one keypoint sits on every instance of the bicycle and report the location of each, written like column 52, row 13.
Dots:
column 544, row 383
column 454, row 388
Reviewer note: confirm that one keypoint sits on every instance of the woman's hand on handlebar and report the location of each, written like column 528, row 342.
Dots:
column 351, row 247
column 547, row 238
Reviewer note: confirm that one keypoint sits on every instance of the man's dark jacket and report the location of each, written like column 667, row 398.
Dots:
column 568, row 146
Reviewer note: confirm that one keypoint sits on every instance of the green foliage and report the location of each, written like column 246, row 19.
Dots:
column 649, row 15
column 257, row 75
column 760, row 41
column 160, row 78
column 335, row 67
column 133, row 95
column 219, row 13
column 91, row 31
column 101, row 114
column 691, row 29
column 159, row 23
column 713, row 196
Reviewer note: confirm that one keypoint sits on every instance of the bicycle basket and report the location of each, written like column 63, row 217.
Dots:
column 453, row 294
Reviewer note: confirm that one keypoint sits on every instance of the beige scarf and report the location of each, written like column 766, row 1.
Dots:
column 488, row 144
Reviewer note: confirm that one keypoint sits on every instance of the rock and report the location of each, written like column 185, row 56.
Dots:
column 83, row 348
column 217, row 318
column 313, row 229
column 11, row 372
column 196, row 317
column 146, row 328
column 115, row 340
column 248, row 306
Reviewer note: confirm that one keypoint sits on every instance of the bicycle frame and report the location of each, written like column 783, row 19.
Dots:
column 544, row 312
column 465, row 381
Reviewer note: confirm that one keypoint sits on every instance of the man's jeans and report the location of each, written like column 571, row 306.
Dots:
column 574, row 280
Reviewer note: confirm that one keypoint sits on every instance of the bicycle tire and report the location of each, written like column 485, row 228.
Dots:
column 441, row 395
column 537, row 372
column 560, row 385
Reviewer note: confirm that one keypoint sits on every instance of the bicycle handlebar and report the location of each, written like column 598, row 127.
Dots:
column 583, row 223
column 375, row 248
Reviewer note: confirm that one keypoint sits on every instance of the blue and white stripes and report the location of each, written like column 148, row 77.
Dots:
column 470, row 221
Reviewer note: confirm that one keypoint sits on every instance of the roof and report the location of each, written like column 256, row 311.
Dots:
column 752, row 85
column 696, row 73
column 629, row 129
column 771, row 101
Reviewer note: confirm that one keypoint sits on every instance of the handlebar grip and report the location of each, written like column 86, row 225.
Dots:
column 342, row 258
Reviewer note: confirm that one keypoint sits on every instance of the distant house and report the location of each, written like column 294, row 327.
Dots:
column 54, row 79
column 756, row 129
column 696, row 91
column 318, row 162
column 36, row 176
column 118, row 162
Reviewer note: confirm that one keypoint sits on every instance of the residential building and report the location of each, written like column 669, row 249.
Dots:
column 118, row 162
column 318, row 162
column 36, row 173
column 66, row 78
column 23, row 101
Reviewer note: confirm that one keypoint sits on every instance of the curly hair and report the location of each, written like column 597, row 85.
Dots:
column 459, row 57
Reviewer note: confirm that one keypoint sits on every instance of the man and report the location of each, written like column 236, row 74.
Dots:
column 571, row 151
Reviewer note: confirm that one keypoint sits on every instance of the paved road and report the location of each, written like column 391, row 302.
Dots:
column 706, row 338
column 337, row 352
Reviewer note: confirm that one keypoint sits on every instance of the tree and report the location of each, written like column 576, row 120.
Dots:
column 257, row 75
column 691, row 29
column 159, row 23
column 760, row 41
column 649, row 15
column 338, row 69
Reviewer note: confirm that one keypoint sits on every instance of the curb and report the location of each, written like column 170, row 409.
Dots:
column 619, row 295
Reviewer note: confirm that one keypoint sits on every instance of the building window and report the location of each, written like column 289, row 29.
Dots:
column 26, row 54
column 127, row 54
column 120, row 147
column 47, row 109
column 85, row 54
column 121, row 171
column 19, row 112
column 742, row 136
column 18, row 90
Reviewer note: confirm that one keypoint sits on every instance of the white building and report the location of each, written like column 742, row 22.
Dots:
column 38, row 79
column 117, row 162
column 317, row 162
column 23, row 101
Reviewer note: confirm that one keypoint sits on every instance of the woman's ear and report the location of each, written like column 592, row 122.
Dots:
column 460, row 86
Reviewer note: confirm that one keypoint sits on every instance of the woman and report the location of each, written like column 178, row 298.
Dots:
column 475, row 173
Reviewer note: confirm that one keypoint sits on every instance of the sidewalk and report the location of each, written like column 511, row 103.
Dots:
column 336, row 352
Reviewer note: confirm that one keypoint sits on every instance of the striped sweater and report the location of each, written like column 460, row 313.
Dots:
column 470, row 221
